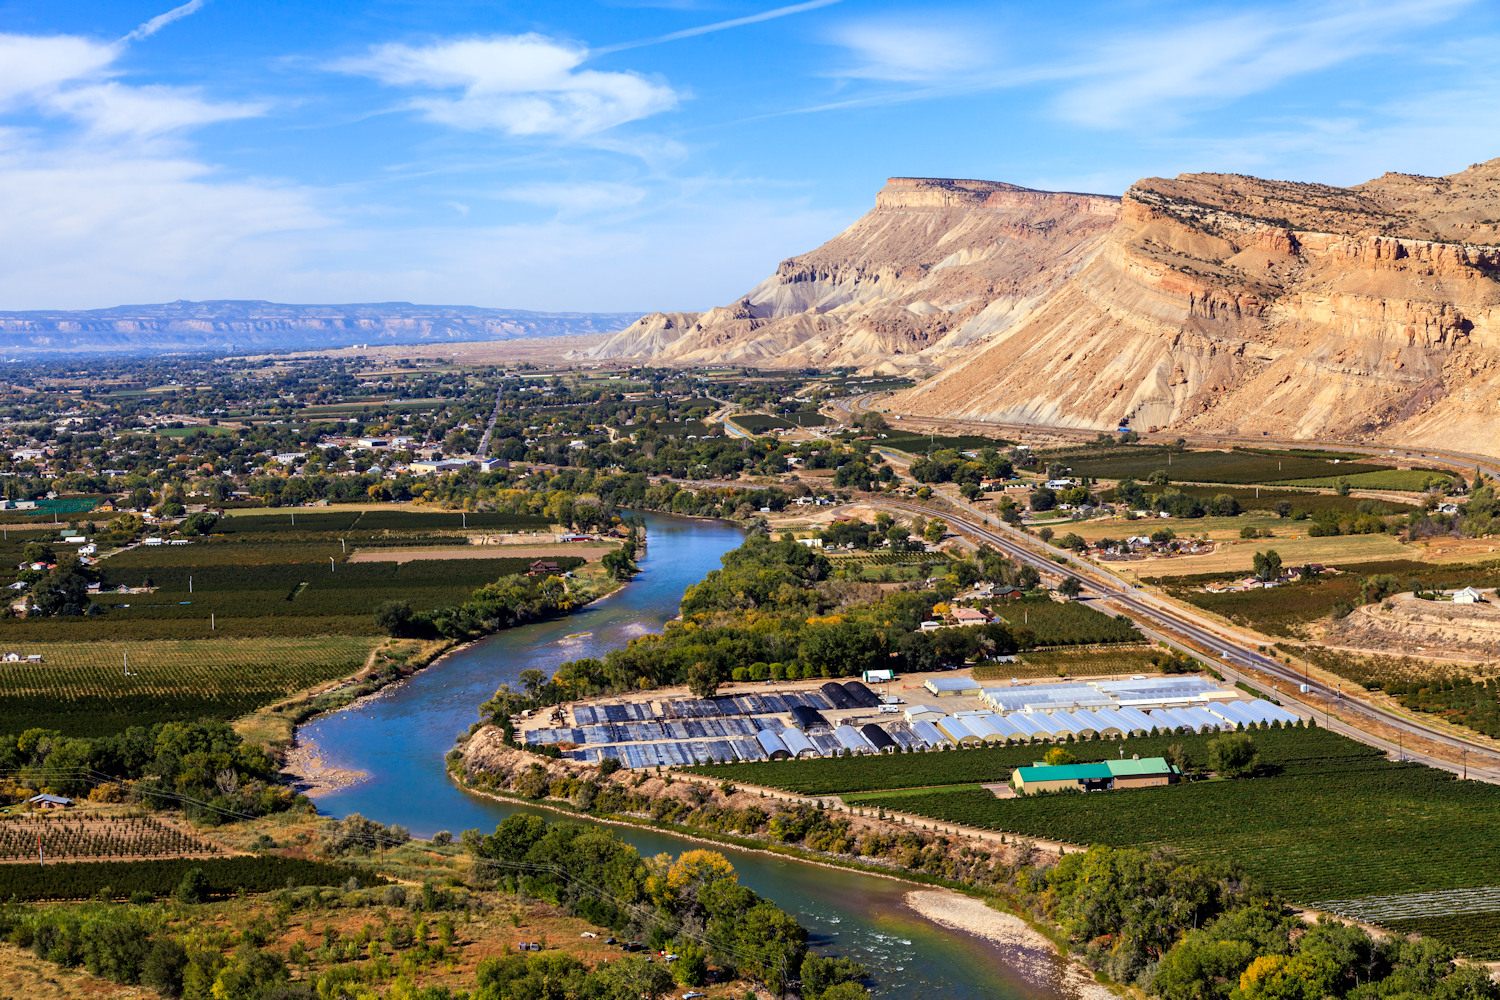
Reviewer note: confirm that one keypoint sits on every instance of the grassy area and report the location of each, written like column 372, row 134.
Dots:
column 1328, row 819
column 1410, row 480
column 81, row 687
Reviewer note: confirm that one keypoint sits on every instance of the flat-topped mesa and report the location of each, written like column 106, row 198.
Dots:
column 944, row 192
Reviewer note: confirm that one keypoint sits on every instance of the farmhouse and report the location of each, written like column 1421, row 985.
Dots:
column 1107, row 774
column 542, row 567
column 45, row 801
column 1468, row 596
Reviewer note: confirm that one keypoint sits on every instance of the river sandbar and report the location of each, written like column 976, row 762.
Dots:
column 1028, row 951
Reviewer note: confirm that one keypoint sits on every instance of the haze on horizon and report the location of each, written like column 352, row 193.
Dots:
column 644, row 155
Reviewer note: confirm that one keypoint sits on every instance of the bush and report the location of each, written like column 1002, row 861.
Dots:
column 193, row 888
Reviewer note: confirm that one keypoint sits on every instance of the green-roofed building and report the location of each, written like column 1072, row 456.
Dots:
column 1106, row 774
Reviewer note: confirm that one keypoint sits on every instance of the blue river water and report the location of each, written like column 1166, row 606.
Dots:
column 398, row 737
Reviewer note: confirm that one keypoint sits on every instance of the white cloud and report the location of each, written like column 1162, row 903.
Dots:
column 119, row 110
column 68, row 76
column 1173, row 69
column 524, row 85
column 578, row 199
column 93, row 229
column 913, row 52
column 160, row 21
column 32, row 65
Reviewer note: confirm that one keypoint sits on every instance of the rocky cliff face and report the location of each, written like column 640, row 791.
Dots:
column 1214, row 302
column 936, row 265
column 249, row 325
column 1229, row 304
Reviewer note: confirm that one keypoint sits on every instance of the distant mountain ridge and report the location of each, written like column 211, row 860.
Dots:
column 252, row 325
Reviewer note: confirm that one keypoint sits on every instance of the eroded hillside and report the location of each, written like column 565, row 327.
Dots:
column 936, row 265
column 1233, row 305
column 1214, row 302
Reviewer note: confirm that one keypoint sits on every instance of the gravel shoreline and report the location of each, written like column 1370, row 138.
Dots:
column 1028, row 951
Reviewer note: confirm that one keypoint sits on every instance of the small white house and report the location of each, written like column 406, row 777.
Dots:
column 1468, row 596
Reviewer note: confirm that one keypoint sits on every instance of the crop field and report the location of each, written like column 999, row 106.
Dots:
column 921, row 444
column 226, row 876
column 759, row 423
column 1242, row 465
column 1267, row 499
column 1067, row 623
column 1330, row 819
column 1412, row 480
column 81, row 688
column 63, row 837
column 1071, row 663
column 1280, row 611
column 683, row 428
column 367, row 521
column 921, row 771
column 245, row 592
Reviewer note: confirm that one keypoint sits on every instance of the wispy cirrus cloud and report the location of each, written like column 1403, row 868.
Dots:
column 523, row 85
column 1109, row 78
column 905, row 51
column 72, row 77
column 160, row 21
column 1216, row 59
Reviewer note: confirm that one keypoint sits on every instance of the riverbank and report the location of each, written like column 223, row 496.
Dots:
column 279, row 727
column 1030, row 952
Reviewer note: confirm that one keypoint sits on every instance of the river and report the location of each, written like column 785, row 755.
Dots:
column 399, row 736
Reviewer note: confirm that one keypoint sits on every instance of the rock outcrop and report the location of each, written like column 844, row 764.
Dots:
column 936, row 265
column 1211, row 302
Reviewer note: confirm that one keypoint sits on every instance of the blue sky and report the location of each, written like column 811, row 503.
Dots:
column 640, row 155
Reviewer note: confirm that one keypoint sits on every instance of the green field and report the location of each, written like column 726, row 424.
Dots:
column 1066, row 623
column 1330, row 819
column 1242, row 465
column 261, row 591
column 81, row 688
column 759, row 423
column 1411, row 480
column 921, row 771
column 921, row 444
column 1266, row 499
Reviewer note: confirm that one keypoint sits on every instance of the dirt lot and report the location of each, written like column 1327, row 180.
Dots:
column 1425, row 628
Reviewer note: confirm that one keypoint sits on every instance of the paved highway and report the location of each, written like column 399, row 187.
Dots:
column 1173, row 623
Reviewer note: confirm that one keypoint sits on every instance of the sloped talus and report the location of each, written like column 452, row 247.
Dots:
column 1228, row 304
